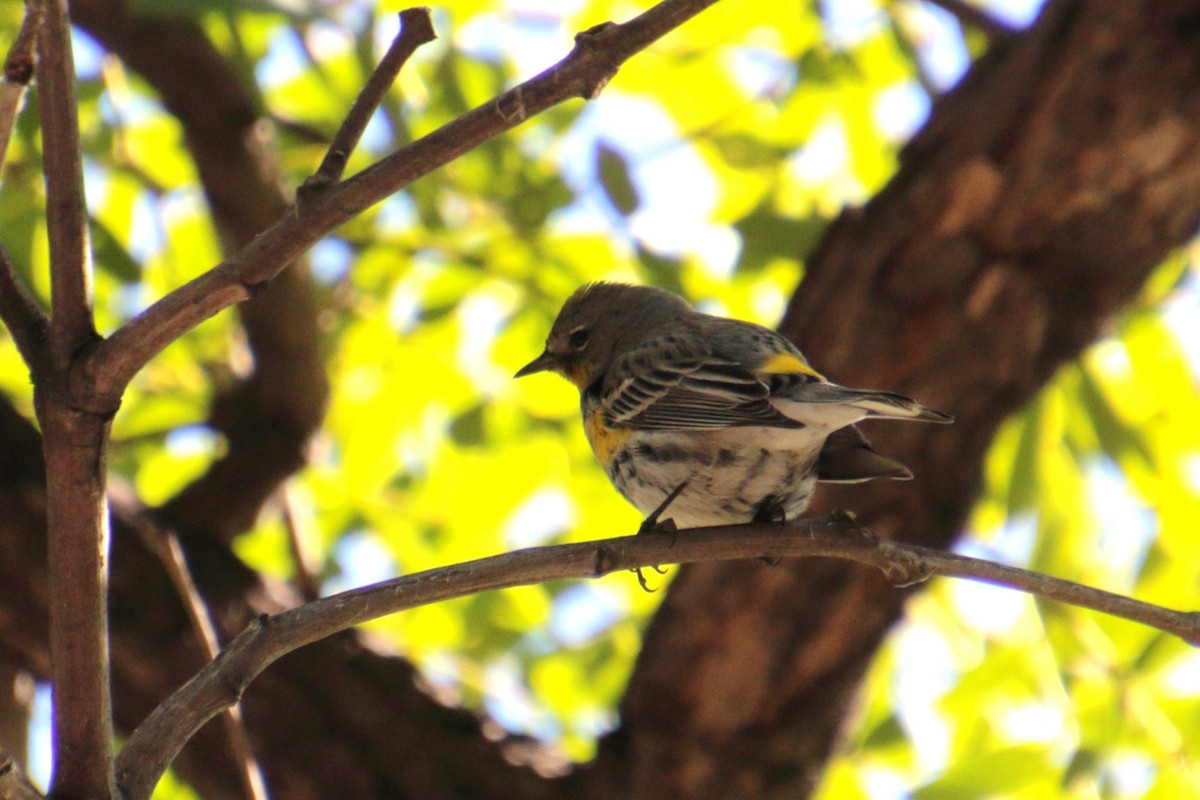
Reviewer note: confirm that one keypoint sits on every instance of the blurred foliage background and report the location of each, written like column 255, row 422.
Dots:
column 710, row 166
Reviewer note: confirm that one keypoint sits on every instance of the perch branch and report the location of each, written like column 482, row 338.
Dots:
column 597, row 55
column 152, row 747
column 416, row 28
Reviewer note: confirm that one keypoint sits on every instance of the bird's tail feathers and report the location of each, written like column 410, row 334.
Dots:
column 876, row 404
column 847, row 457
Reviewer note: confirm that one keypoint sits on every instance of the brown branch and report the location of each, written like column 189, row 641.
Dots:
column 597, row 55
column 166, row 545
column 19, row 310
column 13, row 783
column 18, row 71
column 16, row 710
column 267, row 417
column 298, row 526
column 416, row 28
column 74, row 443
column 26, row 322
column 962, row 283
column 410, row 731
column 154, row 745
column 66, row 218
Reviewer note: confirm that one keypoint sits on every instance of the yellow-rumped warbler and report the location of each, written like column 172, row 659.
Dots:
column 728, row 410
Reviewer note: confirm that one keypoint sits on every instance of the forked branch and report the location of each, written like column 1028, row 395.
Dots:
column 597, row 55
column 74, row 443
column 416, row 28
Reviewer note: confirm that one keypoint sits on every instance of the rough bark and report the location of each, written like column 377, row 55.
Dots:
column 1031, row 207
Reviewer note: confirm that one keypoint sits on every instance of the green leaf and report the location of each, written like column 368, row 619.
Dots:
column 767, row 235
column 992, row 774
column 110, row 255
column 615, row 178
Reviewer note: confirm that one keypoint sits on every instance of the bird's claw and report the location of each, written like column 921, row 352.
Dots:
column 642, row 578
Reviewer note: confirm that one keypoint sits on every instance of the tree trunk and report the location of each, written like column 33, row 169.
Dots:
column 1030, row 209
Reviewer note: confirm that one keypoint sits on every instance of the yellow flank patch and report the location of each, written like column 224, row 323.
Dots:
column 605, row 441
column 788, row 363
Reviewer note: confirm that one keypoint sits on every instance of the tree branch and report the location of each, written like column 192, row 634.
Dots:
column 298, row 525
column 74, row 443
column 967, row 282
column 25, row 320
column 166, row 544
column 152, row 747
column 13, row 783
column 18, row 71
column 66, row 217
column 267, row 417
column 597, row 55
column 416, row 28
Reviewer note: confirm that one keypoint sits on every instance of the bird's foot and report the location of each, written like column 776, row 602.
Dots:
column 652, row 523
column 770, row 512
column 844, row 516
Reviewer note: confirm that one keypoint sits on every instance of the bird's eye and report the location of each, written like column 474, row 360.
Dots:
column 579, row 338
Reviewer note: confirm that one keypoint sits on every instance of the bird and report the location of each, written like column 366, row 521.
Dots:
column 701, row 420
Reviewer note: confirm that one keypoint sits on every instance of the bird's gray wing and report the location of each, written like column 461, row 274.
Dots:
column 668, row 383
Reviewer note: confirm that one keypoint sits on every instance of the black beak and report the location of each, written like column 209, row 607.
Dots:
column 540, row 364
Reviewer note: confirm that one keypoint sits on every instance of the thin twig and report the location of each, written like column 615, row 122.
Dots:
column 18, row 72
column 597, row 55
column 26, row 322
column 62, row 163
column 416, row 28
column 156, row 742
column 166, row 544
column 299, row 532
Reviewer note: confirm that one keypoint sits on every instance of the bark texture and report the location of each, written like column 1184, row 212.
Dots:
column 1031, row 208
